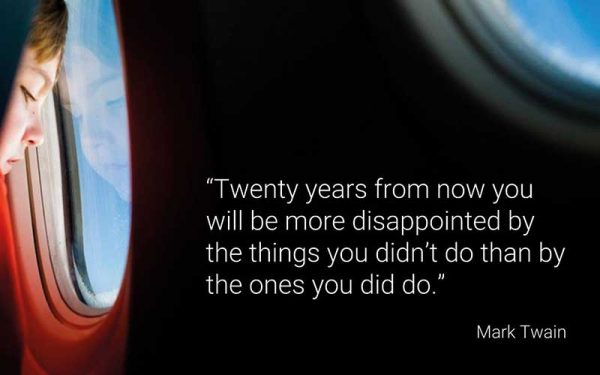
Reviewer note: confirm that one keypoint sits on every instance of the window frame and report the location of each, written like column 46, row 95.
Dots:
column 43, row 177
column 468, row 49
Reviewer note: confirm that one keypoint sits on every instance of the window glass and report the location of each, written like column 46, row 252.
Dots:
column 566, row 33
column 97, row 151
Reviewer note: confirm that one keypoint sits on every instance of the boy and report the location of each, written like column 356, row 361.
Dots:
column 33, row 83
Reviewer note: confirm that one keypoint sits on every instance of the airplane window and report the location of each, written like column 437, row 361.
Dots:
column 566, row 33
column 536, row 62
column 96, row 151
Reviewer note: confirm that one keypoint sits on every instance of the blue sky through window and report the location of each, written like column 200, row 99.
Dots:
column 566, row 32
column 97, row 104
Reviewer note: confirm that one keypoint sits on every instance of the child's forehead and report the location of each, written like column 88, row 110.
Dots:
column 47, row 70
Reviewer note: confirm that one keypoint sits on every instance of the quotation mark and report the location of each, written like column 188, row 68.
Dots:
column 441, row 277
column 209, row 181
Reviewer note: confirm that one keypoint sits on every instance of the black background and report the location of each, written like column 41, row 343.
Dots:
column 328, row 91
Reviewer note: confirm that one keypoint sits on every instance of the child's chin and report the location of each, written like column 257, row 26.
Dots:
column 6, row 167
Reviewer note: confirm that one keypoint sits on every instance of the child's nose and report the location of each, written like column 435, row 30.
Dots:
column 34, row 134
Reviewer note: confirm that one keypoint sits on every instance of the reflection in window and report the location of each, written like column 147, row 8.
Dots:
column 97, row 151
column 566, row 33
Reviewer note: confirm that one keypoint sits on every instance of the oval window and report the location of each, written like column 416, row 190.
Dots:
column 96, row 151
column 534, row 62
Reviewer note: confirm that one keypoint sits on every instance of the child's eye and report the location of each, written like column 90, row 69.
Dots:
column 28, row 96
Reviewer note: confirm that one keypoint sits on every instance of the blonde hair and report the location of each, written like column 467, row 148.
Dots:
column 48, row 31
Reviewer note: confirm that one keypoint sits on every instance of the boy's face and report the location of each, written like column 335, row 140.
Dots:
column 22, row 122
